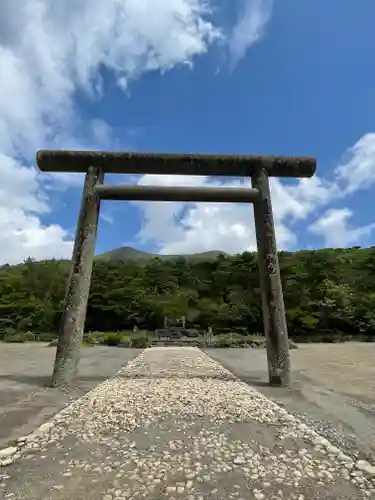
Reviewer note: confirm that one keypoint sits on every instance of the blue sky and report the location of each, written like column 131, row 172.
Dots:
column 241, row 76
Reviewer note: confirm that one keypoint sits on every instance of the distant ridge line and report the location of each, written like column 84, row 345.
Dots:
column 130, row 253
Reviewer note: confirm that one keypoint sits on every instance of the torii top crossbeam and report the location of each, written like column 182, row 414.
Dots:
column 175, row 164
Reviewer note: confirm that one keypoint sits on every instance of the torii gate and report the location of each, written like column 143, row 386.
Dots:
column 96, row 163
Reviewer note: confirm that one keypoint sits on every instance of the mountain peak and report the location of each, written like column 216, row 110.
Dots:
column 130, row 253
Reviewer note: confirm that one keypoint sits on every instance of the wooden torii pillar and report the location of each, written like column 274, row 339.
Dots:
column 96, row 163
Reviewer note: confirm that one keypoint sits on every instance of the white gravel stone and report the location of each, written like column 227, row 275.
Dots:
column 364, row 466
column 46, row 427
column 259, row 496
column 6, row 461
column 8, row 452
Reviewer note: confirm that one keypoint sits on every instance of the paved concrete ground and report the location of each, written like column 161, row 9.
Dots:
column 26, row 369
column 174, row 424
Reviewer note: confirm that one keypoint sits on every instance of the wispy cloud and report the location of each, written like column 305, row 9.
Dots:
column 252, row 18
column 357, row 171
column 106, row 218
column 335, row 228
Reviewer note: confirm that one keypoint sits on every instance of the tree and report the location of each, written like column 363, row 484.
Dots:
column 327, row 293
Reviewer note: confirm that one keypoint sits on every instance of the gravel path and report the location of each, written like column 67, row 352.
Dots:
column 174, row 424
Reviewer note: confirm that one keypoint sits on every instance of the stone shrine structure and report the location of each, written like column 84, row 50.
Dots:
column 95, row 164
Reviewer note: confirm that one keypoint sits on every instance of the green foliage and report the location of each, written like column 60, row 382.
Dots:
column 106, row 338
column 233, row 339
column 7, row 332
column 140, row 341
column 20, row 337
column 125, row 342
column 112, row 339
column 46, row 336
column 328, row 294
column 94, row 338
column 224, row 341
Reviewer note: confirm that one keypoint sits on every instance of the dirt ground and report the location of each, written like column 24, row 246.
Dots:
column 346, row 368
column 26, row 401
column 333, row 389
column 333, row 386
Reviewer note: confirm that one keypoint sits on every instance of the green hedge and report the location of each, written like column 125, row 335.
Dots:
column 125, row 339
column 140, row 341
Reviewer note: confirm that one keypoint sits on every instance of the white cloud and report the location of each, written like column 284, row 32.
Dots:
column 212, row 226
column 185, row 228
column 49, row 51
column 334, row 227
column 19, row 185
column 249, row 29
column 22, row 233
column 358, row 169
column 181, row 228
column 160, row 220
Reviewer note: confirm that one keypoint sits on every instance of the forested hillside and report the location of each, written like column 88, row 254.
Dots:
column 129, row 253
column 328, row 294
